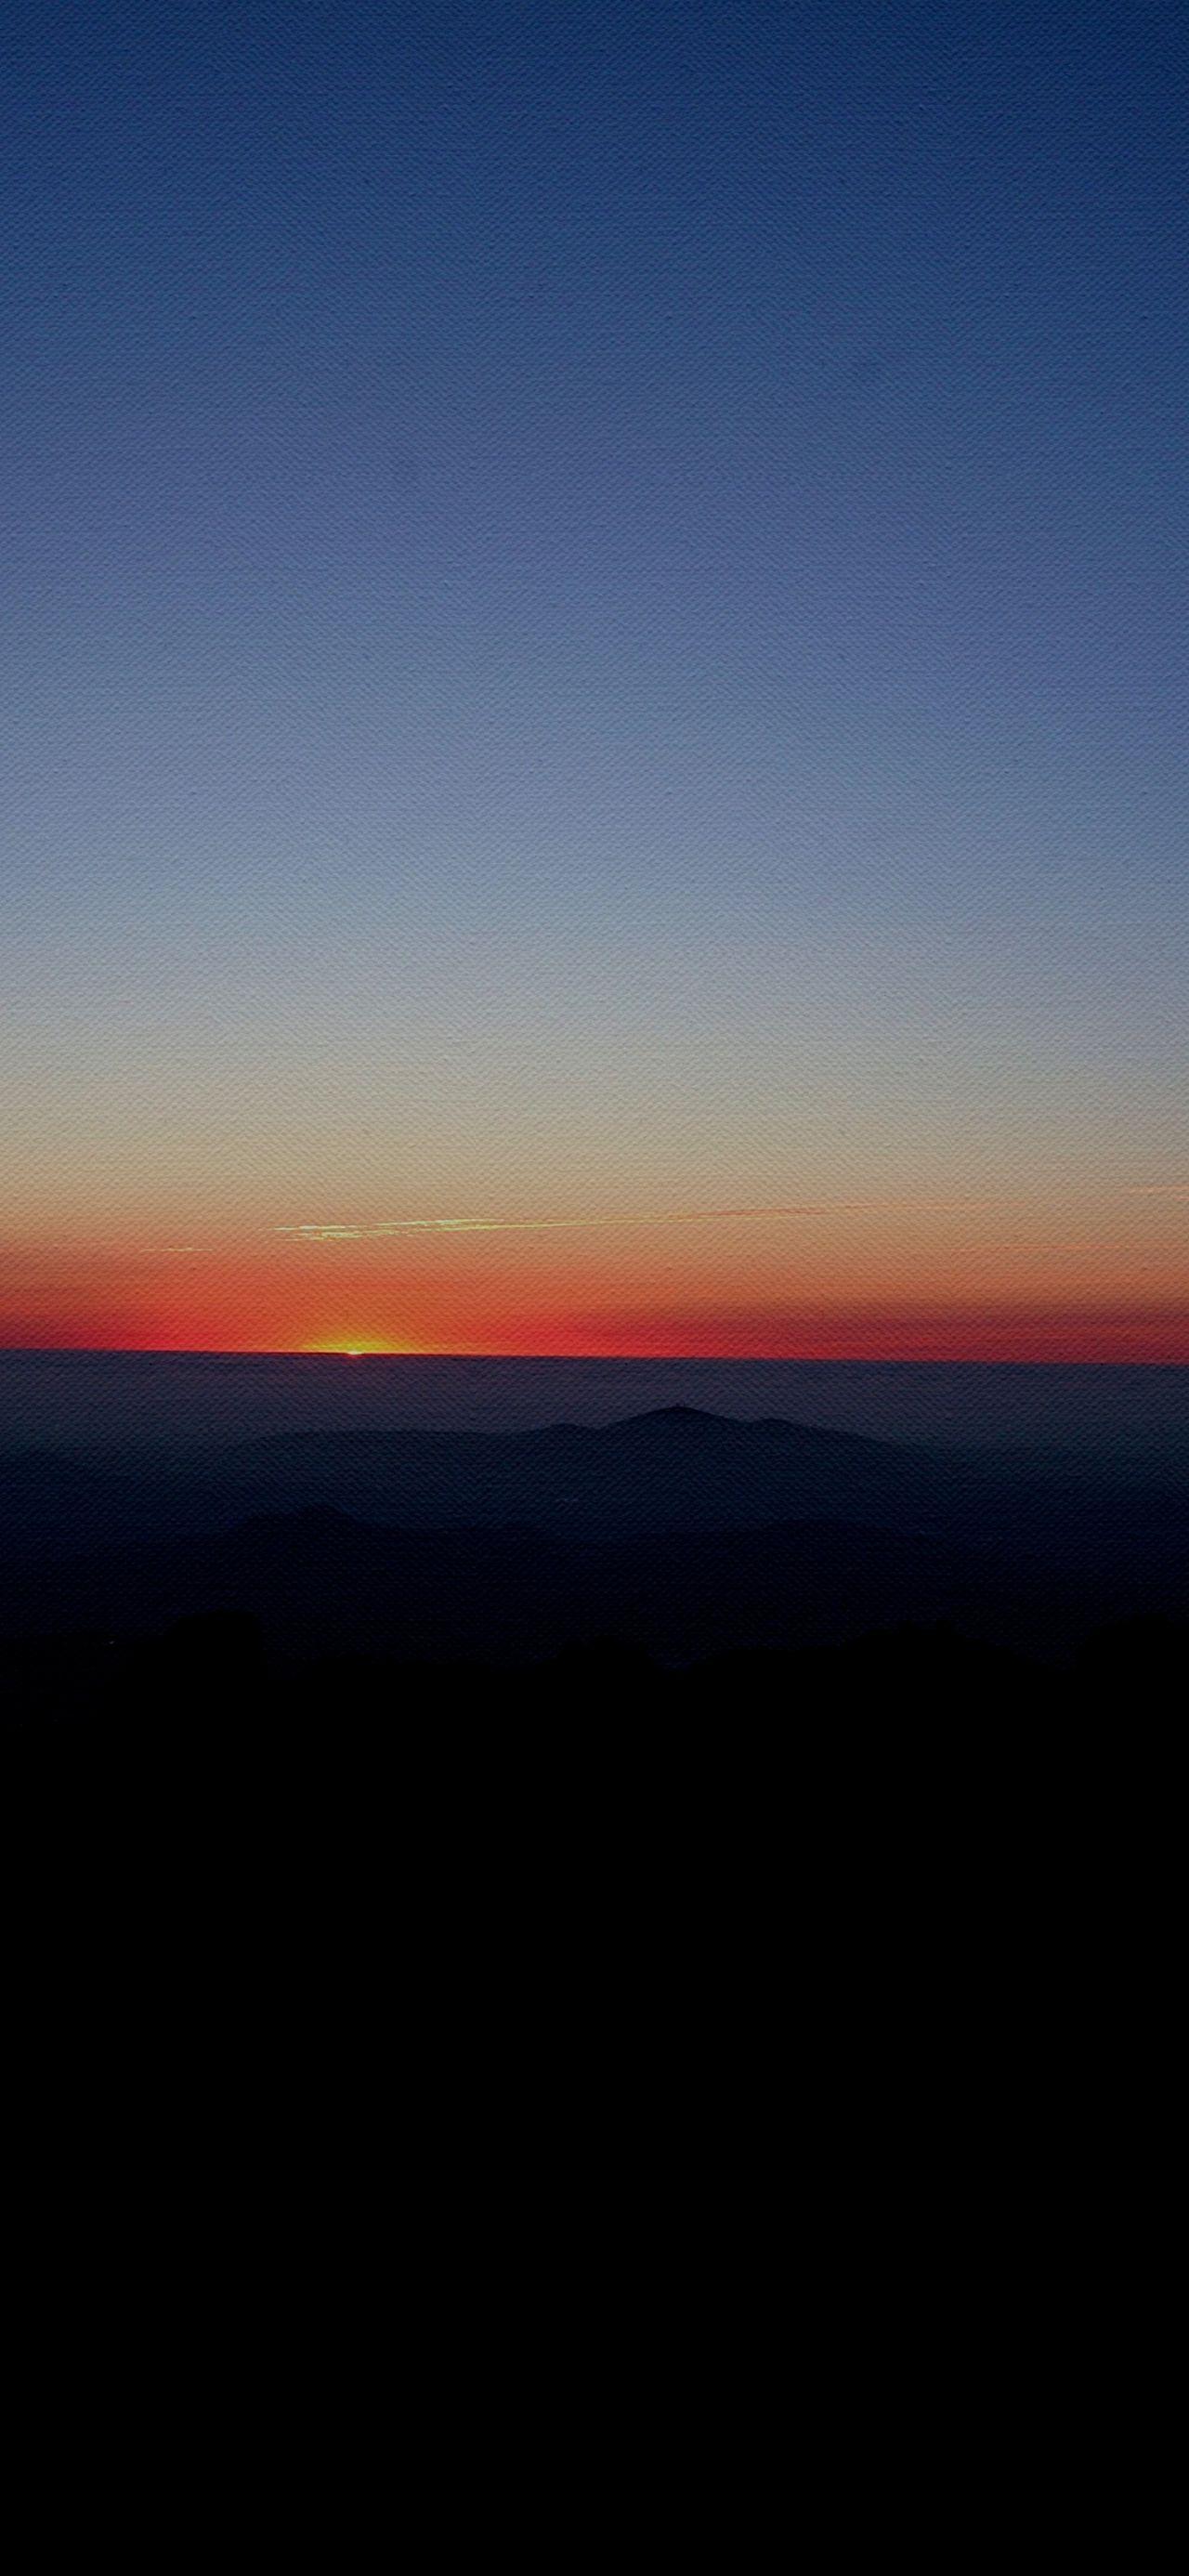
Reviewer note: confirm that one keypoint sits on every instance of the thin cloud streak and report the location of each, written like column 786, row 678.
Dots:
column 788, row 1209
column 569, row 1224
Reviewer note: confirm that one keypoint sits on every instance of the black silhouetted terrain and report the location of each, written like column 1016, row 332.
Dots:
column 755, row 1777
column 396, row 1816
column 701, row 1639
column 212, row 1672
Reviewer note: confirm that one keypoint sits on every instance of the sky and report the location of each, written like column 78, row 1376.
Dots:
column 593, row 677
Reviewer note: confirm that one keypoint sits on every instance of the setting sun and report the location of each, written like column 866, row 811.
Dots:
column 357, row 1350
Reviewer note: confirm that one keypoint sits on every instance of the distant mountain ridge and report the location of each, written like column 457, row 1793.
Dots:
column 685, row 1530
column 676, row 1467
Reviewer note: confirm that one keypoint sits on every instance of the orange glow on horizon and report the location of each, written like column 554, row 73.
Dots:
column 1019, row 1280
column 1008, row 1336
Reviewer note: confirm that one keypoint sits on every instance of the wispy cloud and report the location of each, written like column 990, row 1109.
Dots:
column 628, row 1217
column 791, row 1209
column 214, row 1245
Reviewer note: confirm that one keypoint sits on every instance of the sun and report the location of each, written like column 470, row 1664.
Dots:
column 355, row 1350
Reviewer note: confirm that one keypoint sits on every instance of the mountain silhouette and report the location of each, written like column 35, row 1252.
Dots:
column 683, row 1531
column 681, row 1468
column 673, row 1468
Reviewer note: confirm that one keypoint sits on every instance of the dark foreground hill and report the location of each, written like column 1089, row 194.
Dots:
column 582, row 1868
column 321, row 1583
column 796, row 1801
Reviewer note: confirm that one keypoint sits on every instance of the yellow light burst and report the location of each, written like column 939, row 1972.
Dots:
column 360, row 1347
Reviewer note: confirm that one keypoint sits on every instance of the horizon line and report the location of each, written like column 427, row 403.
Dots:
column 570, row 1359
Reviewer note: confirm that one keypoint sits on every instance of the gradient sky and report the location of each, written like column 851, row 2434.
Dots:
column 594, row 629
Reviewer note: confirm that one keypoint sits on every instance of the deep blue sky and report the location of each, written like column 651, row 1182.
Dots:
column 594, row 600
